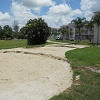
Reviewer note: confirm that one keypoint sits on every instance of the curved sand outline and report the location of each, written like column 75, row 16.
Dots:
column 34, row 74
column 32, row 53
column 24, row 78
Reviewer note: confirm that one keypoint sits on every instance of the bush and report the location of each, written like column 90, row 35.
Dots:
column 37, row 31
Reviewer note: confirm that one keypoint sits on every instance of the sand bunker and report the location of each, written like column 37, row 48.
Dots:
column 32, row 77
column 34, row 74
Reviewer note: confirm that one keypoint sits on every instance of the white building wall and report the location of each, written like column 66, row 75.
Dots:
column 96, row 37
column 96, row 34
column 74, row 33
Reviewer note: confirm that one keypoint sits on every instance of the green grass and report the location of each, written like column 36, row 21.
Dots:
column 89, row 56
column 40, row 45
column 88, row 86
column 82, row 42
column 8, row 44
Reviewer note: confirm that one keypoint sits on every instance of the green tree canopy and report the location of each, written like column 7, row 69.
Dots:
column 79, row 23
column 38, row 31
column 1, row 32
column 64, row 30
column 89, row 24
column 7, row 31
column 22, row 33
column 89, row 27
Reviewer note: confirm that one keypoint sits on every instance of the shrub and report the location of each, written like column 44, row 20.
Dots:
column 37, row 31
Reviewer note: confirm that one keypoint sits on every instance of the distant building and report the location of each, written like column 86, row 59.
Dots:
column 53, row 33
column 85, row 34
column 74, row 34
column 68, row 31
column 96, row 31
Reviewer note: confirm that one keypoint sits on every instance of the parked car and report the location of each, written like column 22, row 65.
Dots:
column 59, row 38
column 72, row 39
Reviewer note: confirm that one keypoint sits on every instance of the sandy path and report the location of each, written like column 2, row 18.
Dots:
column 33, row 77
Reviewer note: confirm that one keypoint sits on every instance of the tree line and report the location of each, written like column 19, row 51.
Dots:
column 80, row 24
column 37, row 31
column 8, row 33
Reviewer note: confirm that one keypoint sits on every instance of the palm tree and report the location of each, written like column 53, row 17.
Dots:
column 79, row 23
column 96, row 20
column 64, row 31
column 89, row 26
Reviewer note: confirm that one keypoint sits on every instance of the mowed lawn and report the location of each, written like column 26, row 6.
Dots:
column 88, row 85
column 87, row 57
column 8, row 44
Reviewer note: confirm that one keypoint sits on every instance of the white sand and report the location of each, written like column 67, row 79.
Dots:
column 33, row 77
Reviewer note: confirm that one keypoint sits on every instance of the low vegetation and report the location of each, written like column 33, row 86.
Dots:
column 82, row 42
column 89, row 57
column 8, row 44
column 37, row 31
column 88, row 86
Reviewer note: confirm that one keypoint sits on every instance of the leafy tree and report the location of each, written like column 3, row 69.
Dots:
column 7, row 31
column 38, row 31
column 1, row 32
column 64, row 31
column 22, row 33
column 79, row 23
column 96, row 20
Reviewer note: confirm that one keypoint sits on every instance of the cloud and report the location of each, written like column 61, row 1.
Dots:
column 89, row 6
column 61, row 14
column 77, row 12
column 37, row 4
column 21, row 13
column 62, row 9
column 4, row 17
column 57, row 20
column 53, row 21
column 56, row 16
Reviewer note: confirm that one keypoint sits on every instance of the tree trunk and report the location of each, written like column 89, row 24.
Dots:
column 79, row 36
column 90, row 37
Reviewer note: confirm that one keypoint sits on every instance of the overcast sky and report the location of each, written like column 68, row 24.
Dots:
column 55, row 12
